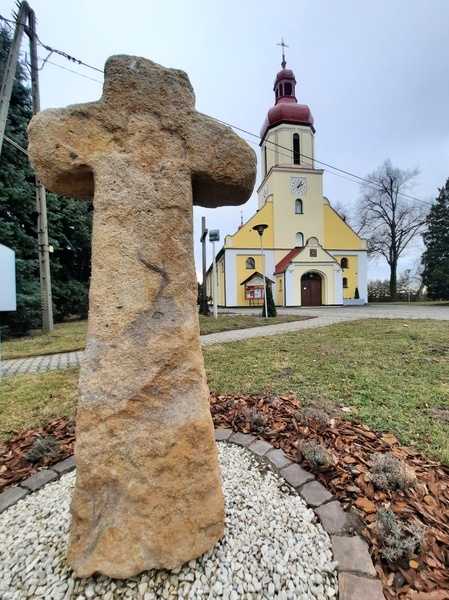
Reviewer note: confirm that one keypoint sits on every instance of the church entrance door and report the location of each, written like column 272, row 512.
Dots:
column 311, row 290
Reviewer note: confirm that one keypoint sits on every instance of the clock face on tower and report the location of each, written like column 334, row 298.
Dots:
column 298, row 185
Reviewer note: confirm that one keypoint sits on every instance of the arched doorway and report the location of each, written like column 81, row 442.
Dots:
column 311, row 290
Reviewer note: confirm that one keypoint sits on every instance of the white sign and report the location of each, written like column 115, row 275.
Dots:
column 7, row 278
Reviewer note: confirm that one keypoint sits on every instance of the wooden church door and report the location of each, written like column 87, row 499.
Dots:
column 311, row 290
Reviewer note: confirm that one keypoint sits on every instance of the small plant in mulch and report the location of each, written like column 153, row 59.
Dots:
column 314, row 417
column 397, row 539
column 43, row 447
column 391, row 473
column 315, row 453
column 257, row 419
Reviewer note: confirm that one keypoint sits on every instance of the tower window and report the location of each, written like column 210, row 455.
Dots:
column 344, row 263
column 298, row 207
column 345, row 282
column 299, row 240
column 288, row 89
column 296, row 152
column 250, row 263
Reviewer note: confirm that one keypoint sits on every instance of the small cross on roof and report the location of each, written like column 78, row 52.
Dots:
column 284, row 45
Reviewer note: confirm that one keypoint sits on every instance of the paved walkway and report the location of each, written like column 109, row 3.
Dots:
column 320, row 317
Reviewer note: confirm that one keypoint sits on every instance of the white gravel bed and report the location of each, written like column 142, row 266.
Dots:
column 272, row 547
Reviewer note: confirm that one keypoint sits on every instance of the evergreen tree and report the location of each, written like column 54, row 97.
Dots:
column 69, row 222
column 436, row 256
column 271, row 307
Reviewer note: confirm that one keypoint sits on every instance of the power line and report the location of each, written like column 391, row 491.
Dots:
column 70, row 58
column 350, row 176
column 290, row 152
column 67, row 56
column 45, row 61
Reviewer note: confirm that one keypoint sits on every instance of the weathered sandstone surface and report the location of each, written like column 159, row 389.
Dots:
column 148, row 491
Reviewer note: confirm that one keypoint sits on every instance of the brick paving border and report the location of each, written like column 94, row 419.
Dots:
column 35, row 482
column 356, row 574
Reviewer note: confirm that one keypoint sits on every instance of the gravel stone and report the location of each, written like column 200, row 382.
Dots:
column 272, row 547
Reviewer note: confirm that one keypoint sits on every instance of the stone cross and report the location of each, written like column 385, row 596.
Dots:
column 148, row 492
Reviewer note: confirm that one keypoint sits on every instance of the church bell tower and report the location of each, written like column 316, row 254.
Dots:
column 287, row 135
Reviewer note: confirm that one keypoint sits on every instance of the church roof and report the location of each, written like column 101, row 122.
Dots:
column 286, row 108
column 284, row 262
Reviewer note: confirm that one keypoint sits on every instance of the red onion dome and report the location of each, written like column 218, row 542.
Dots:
column 286, row 109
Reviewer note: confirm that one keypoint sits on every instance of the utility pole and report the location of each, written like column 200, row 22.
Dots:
column 41, row 197
column 26, row 14
column 10, row 71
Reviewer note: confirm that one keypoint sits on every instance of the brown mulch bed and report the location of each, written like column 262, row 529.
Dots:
column 15, row 467
column 283, row 422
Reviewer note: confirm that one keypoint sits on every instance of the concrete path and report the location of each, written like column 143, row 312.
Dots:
column 320, row 317
column 40, row 364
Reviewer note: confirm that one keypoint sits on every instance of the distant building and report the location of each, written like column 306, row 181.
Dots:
column 312, row 257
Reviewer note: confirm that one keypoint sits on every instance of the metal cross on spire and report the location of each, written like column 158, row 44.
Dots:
column 284, row 45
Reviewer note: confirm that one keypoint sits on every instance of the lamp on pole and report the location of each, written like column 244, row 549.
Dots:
column 260, row 229
column 214, row 236
column 204, row 291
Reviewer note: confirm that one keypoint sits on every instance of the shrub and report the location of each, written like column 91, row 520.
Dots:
column 398, row 539
column 315, row 417
column 254, row 417
column 43, row 447
column 271, row 307
column 316, row 454
column 391, row 473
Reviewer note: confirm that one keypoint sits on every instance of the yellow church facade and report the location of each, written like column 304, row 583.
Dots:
column 311, row 257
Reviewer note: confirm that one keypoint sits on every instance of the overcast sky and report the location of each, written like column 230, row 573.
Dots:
column 375, row 75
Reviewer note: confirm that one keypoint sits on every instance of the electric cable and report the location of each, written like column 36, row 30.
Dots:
column 341, row 172
column 290, row 153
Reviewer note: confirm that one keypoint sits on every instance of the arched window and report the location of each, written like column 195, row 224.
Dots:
column 298, row 207
column 345, row 282
column 296, row 150
column 344, row 263
column 299, row 239
column 250, row 264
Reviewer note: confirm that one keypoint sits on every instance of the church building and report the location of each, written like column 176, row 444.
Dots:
column 311, row 257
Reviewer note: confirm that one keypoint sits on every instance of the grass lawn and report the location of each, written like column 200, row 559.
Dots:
column 67, row 337
column 30, row 400
column 393, row 374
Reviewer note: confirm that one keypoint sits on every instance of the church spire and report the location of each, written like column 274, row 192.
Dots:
column 284, row 86
column 286, row 108
column 284, row 45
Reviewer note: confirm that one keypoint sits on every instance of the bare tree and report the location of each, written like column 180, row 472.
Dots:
column 388, row 217
column 342, row 210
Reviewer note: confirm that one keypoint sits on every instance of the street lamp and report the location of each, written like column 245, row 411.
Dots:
column 214, row 236
column 260, row 229
column 407, row 274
